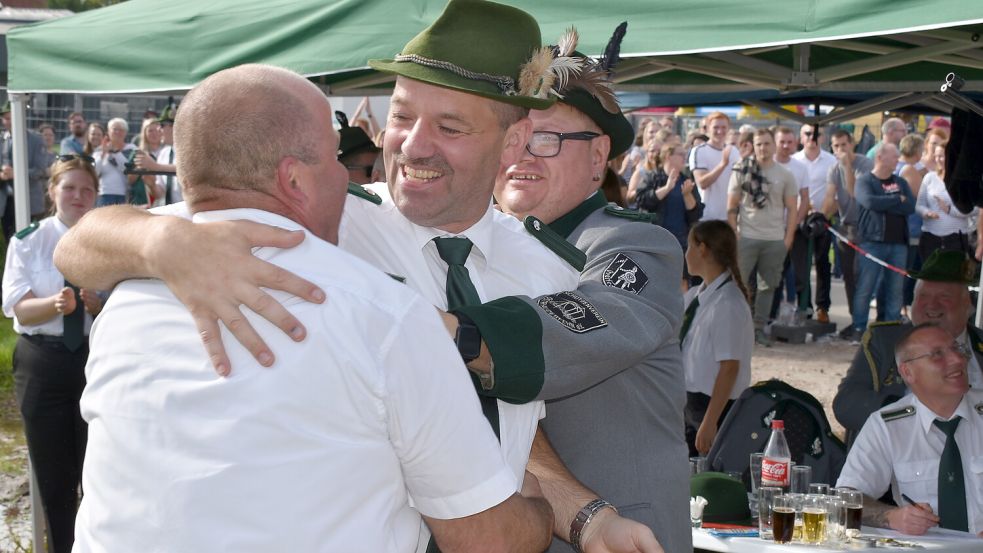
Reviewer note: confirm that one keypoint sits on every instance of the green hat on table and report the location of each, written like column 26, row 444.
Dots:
column 947, row 266
column 477, row 47
column 726, row 498
column 589, row 90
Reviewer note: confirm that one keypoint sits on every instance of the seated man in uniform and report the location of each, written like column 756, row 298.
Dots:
column 926, row 446
column 941, row 297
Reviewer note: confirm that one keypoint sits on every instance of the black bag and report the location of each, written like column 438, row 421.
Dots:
column 747, row 427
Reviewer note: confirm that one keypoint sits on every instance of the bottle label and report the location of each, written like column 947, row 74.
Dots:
column 774, row 472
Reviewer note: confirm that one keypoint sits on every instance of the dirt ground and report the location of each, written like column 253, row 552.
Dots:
column 815, row 367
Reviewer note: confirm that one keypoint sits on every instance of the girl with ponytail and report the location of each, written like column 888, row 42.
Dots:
column 717, row 335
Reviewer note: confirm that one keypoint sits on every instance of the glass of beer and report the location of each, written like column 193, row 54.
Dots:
column 814, row 519
column 854, row 511
column 782, row 519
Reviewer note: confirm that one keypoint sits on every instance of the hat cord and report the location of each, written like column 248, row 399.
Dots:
column 506, row 84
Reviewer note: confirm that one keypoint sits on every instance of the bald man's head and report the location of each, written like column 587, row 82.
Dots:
column 238, row 124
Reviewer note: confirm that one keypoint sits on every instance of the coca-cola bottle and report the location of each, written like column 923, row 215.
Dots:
column 777, row 459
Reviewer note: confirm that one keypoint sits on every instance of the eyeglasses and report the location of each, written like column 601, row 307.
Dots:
column 72, row 157
column 548, row 143
column 938, row 354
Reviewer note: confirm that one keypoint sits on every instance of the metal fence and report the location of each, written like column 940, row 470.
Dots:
column 54, row 109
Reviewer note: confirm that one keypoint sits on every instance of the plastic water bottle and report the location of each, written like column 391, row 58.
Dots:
column 776, row 464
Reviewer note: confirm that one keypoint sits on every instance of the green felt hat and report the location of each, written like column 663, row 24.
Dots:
column 726, row 498
column 6, row 107
column 947, row 266
column 477, row 47
column 167, row 116
column 352, row 139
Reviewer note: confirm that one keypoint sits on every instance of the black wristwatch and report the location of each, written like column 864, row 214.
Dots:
column 467, row 338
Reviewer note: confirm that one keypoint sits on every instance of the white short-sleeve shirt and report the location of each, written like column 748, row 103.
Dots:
column 722, row 330
column 817, row 171
column 706, row 157
column 324, row 451
column 30, row 267
column 904, row 454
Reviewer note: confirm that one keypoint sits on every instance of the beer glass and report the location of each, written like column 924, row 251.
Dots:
column 814, row 519
column 796, row 500
column 835, row 519
column 800, row 479
column 818, row 488
column 782, row 519
column 766, row 498
column 854, row 501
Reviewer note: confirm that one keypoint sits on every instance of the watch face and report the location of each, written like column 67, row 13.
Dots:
column 468, row 340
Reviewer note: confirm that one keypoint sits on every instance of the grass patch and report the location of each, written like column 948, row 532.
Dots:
column 8, row 338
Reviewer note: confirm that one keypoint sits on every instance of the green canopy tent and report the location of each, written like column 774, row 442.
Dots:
column 880, row 53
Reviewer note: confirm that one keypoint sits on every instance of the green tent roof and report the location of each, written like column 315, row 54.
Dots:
column 708, row 46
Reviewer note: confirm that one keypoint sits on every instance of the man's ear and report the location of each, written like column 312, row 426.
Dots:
column 601, row 147
column 289, row 181
column 516, row 138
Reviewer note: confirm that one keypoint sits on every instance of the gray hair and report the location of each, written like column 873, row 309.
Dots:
column 118, row 122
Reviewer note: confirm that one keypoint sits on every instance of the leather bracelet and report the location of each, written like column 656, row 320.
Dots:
column 583, row 518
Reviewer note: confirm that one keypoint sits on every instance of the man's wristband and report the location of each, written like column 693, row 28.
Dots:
column 467, row 338
column 583, row 518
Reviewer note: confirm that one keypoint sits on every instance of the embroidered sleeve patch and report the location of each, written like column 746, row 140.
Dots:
column 573, row 312
column 625, row 274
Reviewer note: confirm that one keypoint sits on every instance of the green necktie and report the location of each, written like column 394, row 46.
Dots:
column 688, row 319
column 460, row 289
column 952, row 487
column 73, row 334
column 461, row 292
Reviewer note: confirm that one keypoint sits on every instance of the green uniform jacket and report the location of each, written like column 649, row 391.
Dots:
column 609, row 366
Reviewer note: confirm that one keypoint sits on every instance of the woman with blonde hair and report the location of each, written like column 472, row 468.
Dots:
column 52, row 318
column 717, row 334
column 664, row 188
column 145, row 189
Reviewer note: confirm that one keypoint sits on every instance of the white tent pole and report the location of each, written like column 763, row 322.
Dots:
column 22, row 194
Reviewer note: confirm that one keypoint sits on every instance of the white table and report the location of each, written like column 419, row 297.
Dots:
column 935, row 540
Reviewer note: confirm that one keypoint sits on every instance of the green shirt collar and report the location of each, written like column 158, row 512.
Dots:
column 565, row 225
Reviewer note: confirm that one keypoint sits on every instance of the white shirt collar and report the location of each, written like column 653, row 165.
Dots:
column 479, row 233
column 251, row 214
column 926, row 416
column 708, row 291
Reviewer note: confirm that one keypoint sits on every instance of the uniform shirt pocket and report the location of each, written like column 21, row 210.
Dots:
column 918, row 479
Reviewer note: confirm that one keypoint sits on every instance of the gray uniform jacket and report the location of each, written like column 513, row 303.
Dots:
column 872, row 381
column 611, row 370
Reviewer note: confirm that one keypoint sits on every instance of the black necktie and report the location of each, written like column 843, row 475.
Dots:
column 169, row 181
column 73, row 334
column 952, row 486
column 688, row 318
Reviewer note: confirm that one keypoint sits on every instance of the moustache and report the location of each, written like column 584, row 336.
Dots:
column 432, row 163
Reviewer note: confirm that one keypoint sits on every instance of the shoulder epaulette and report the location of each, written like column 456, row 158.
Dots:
column 361, row 192
column 24, row 232
column 885, row 323
column 629, row 214
column 556, row 243
column 979, row 408
column 898, row 414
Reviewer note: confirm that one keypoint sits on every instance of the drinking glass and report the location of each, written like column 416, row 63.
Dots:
column 766, row 498
column 698, row 464
column 835, row 519
column 800, row 479
column 818, row 488
column 782, row 519
column 755, row 469
column 814, row 519
column 797, row 499
column 854, row 501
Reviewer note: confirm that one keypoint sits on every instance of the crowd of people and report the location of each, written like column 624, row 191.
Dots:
column 603, row 289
